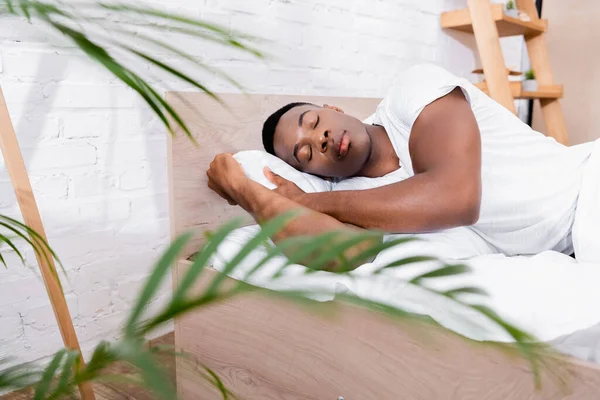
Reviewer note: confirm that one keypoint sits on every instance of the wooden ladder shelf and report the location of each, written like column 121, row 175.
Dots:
column 489, row 23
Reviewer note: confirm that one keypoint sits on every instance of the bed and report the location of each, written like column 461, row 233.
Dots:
column 267, row 348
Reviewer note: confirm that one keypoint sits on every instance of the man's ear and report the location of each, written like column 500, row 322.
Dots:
column 333, row 108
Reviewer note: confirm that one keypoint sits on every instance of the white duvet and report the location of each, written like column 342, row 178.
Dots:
column 550, row 295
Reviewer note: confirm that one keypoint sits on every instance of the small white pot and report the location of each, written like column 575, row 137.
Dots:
column 530, row 85
column 514, row 13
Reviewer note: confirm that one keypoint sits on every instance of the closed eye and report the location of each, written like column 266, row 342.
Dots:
column 316, row 122
column 310, row 154
column 297, row 149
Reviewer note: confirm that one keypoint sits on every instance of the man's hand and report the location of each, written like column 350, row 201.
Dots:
column 284, row 187
column 225, row 177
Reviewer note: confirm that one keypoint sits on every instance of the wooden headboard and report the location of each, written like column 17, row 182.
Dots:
column 217, row 130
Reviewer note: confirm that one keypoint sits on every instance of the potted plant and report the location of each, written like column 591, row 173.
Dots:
column 511, row 10
column 530, row 84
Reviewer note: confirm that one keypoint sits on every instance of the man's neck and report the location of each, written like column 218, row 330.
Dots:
column 383, row 158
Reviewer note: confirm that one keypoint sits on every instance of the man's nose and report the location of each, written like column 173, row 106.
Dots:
column 323, row 141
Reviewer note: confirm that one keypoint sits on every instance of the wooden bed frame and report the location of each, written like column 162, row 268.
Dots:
column 265, row 348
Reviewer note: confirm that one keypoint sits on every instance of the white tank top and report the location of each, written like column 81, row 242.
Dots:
column 530, row 182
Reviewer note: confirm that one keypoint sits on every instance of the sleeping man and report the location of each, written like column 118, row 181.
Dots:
column 470, row 162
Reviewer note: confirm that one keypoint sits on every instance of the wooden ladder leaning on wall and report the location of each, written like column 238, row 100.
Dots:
column 15, row 165
column 488, row 23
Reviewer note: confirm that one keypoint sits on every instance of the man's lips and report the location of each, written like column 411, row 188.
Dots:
column 343, row 146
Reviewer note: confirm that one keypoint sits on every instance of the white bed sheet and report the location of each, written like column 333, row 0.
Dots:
column 549, row 295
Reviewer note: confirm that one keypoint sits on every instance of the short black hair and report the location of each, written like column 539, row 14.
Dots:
column 270, row 124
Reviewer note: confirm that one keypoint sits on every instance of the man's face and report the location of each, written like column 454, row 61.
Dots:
column 322, row 141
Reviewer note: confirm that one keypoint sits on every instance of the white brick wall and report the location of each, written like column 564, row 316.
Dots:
column 96, row 155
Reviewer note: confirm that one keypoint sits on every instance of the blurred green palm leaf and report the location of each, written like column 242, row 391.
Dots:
column 59, row 379
column 13, row 231
column 132, row 34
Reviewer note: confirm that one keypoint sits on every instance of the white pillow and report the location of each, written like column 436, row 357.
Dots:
column 254, row 161
column 362, row 183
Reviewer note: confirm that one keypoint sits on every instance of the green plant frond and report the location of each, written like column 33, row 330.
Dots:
column 152, row 98
column 42, row 389
column 405, row 261
column 446, row 270
column 272, row 252
column 267, row 231
column 9, row 243
column 529, row 347
column 154, row 281
column 180, row 303
column 304, row 246
column 399, row 311
column 125, row 75
column 203, row 300
column 167, row 16
column 192, row 364
column 26, row 12
column 18, row 376
column 153, row 375
column 133, row 350
column 47, row 9
column 189, row 26
column 299, row 248
column 218, row 383
column 346, row 241
column 386, row 309
column 27, row 8
column 535, row 352
column 167, row 349
column 465, row 290
column 220, row 40
column 202, row 258
column 9, row 6
column 530, row 75
column 374, row 250
column 175, row 72
column 182, row 54
column 64, row 385
column 172, row 113
column 72, row 19
column 33, row 239
column 103, row 356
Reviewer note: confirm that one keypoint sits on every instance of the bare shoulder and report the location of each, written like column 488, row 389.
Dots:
column 452, row 107
column 447, row 125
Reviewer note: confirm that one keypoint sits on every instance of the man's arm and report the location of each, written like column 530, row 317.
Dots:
column 445, row 192
column 228, row 180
